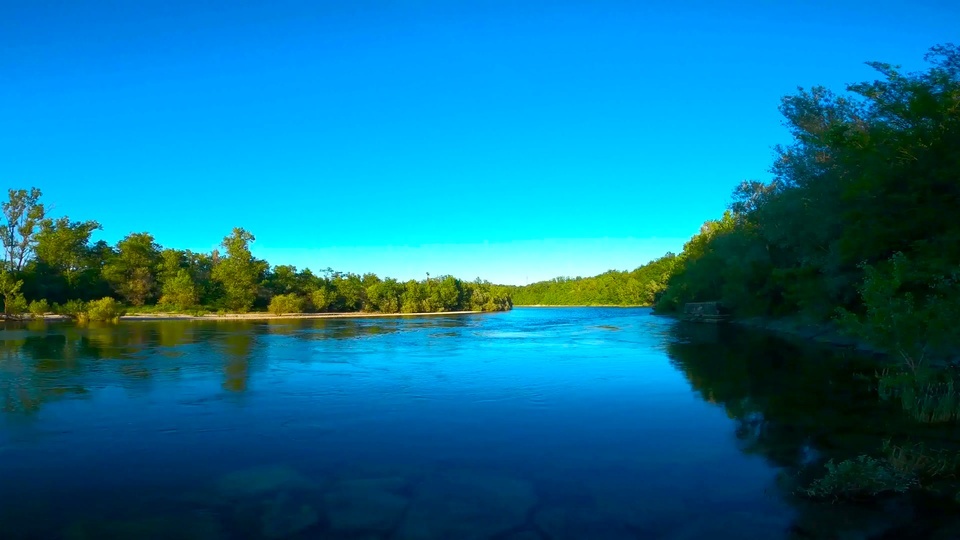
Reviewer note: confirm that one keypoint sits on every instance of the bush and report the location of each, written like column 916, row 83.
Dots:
column 72, row 308
column 105, row 309
column 859, row 478
column 15, row 305
column 286, row 303
column 39, row 308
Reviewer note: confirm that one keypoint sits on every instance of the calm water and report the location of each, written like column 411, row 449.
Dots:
column 533, row 424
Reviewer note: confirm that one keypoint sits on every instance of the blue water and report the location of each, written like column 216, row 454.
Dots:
column 530, row 424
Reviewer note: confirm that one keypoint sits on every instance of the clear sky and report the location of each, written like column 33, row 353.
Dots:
column 510, row 140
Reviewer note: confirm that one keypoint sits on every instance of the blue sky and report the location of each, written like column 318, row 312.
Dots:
column 514, row 141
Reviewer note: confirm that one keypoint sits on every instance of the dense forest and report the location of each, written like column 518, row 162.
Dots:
column 859, row 224
column 51, row 265
column 638, row 287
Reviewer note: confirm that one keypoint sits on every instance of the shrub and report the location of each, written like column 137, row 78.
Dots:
column 72, row 308
column 859, row 478
column 286, row 303
column 39, row 308
column 15, row 305
column 105, row 309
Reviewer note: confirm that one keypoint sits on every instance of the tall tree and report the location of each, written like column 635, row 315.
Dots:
column 133, row 271
column 239, row 273
column 64, row 245
column 23, row 212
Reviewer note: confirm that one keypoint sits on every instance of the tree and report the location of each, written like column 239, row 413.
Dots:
column 385, row 296
column 286, row 303
column 239, row 273
column 180, row 291
column 133, row 271
column 66, row 266
column 23, row 212
column 13, row 301
column 861, row 200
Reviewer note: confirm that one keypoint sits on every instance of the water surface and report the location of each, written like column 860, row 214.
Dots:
column 565, row 423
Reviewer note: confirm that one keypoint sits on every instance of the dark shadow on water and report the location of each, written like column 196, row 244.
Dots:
column 800, row 405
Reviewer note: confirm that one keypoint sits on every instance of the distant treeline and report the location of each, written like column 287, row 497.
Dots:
column 51, row 265
column 638, row 287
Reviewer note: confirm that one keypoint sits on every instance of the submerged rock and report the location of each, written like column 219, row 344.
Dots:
column 162, row 527
column 733, row 525
column 365, row 505
column 523, row 535
column 561, row 523
column 466, row 505
column 262, row 481
column 284, row 517
column 653, row 504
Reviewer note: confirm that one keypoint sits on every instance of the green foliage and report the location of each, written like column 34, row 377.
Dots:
column 908, row 309
column 179, row 291
column 287, row 303
column 853, row 220
column 39, row 308
column 919, row 461
column 132, row 272
column 23, row 213
column 14, row 302
column 66, row 265
column 239, row 273
column 105, row 309
column 928, row 395
column 61, row 265
column 639, row 287
column 385, row 296
column 859, row 478
column 71, row 308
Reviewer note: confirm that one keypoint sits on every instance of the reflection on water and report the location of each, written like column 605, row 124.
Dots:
column 533, row 424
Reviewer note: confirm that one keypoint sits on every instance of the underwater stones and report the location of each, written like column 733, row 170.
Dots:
column 739, row 525
column 523, row 535
column 365, row 505
column 275, row 499
column 195, row 526
column 577, row 523
column 283, row 516
column 651, row 504
column 260, row 481
column 388, row 483
column 466, row 505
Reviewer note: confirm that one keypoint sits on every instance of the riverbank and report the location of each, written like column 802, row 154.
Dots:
column 827, row 333
column 579, row 306
column 795, row 328
column 271, row 316
column 254, row 316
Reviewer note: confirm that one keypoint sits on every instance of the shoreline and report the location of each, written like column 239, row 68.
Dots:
column 146, row 317
column 824, row 333
column 578, row 306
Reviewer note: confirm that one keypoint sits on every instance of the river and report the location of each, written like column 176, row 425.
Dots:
column 539, row 423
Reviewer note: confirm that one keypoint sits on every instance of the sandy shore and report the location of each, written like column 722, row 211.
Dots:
column 270, row 316
column 575, row 305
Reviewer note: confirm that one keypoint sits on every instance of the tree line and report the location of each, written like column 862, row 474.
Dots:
column 860, row 223
column 859, row 228
column 638, row 287
column 50, row 264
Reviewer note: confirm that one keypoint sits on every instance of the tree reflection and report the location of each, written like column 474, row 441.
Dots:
column 798, row 406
